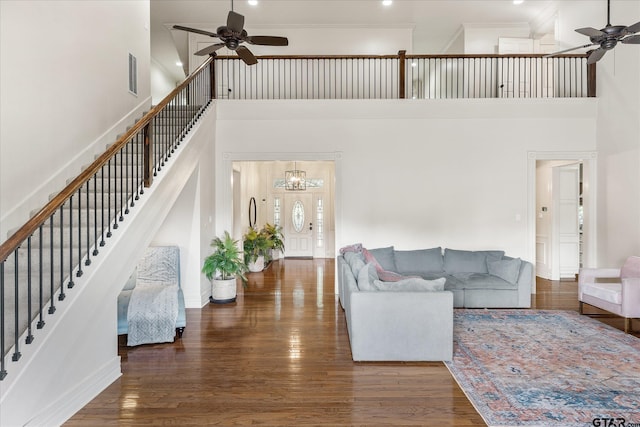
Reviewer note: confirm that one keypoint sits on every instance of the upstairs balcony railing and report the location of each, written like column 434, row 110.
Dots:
column 41, row 260
column 405, row 76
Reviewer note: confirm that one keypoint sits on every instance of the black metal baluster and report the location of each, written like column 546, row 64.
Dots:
column 88, row 233
column 126, row 177
column 119, row 188
column 122, row 187
column 52, row 307
column 95, row 214
column 62, row 295
column 40, row 323
column 16, row 301
column 3, row 371
column 71, row 284
column 29, row 338
column 138, row 163
column 110, row 196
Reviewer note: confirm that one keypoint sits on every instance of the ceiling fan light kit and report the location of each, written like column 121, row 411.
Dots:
column 607, row 38
column 232, row 36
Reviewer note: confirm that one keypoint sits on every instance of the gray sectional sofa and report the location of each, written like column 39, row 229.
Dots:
column 399, row 304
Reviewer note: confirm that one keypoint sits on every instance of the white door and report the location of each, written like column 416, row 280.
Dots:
column 566, row 225
column 514, row 73
column 298, row 224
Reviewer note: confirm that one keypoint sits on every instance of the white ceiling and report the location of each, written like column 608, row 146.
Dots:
column 435, row 23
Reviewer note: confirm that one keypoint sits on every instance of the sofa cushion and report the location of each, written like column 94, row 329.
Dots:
column 419, row 262
column 457, row 261
column 412, row 284
column 506, row 269
column 477, row 281
column 383, row 256
column 367, row 276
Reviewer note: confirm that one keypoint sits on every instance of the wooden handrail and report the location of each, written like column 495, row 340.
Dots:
column 408, row 56
column 30, row 227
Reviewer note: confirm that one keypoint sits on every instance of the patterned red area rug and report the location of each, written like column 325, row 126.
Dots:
column 546, row 368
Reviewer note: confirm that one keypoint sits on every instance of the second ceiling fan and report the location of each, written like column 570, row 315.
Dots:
column 607, row 38
column 233, row 35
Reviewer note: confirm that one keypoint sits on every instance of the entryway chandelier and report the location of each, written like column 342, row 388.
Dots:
column 295, row 180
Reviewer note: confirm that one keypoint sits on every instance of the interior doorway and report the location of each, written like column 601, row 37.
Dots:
column 563, row 213
column 306, row 215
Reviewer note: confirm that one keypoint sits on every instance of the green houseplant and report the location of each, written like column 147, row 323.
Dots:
column 256, row 245
column 275, row 237
column 222, row 267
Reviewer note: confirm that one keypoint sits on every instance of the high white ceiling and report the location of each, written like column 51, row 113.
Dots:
column 435, row 23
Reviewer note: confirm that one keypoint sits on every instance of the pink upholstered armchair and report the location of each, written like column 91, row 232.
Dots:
column 620, row 296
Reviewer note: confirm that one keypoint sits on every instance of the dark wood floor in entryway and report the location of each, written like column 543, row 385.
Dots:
column 280, row 356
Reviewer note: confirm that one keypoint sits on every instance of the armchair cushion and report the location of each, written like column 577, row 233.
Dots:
column 611, row 292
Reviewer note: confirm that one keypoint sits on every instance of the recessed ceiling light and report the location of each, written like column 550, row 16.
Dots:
column 253, row 2
column 179, row 64
column 386, row 2
column 518, row 1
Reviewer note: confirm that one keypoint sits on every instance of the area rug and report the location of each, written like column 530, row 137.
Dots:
column 546, row 368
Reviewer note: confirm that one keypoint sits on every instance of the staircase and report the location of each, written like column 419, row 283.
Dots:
column 41, row 271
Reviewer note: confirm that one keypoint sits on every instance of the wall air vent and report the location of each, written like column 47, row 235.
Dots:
column 133, row 75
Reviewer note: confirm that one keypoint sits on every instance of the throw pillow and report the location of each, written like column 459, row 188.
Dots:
column 356, row 265
column 506, row 269
column 366, row 277
column 356, row 247
column 385, row 257
column 460, row 261
column 411, row 285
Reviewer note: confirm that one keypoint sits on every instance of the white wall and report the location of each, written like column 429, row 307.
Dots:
column 162, row 82
column 618, row 127
column 413, row 174
column 64, row 85
column 481, row 39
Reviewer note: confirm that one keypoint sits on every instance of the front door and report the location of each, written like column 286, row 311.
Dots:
column 298, row 224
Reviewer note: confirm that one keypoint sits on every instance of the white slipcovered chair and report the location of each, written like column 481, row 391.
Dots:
column 616, row 290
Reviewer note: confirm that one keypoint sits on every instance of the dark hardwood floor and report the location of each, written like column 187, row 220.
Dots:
column 280, row 356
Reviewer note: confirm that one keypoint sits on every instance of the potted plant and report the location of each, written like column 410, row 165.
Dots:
column 222, row 268
column 255, row 246
column 275, row 238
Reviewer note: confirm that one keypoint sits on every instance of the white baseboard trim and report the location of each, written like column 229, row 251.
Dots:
column 75, row 399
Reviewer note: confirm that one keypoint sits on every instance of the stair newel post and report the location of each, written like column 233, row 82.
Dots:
column 591, row 80
column 402, row 63
column 147, row 154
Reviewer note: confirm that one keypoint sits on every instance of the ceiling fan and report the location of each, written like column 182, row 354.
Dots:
column 607, row 38
column 233, row 35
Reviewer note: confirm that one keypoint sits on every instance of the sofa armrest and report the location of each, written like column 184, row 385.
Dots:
column 401, row 326
column 631, row 297
column 525, row 280
column 589, row 275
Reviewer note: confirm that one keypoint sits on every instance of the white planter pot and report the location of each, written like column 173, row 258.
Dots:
column 223, row 291
column 257, row 265
column 275, row 254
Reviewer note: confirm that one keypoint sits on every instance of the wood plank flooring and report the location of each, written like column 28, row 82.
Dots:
column 280, row 356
